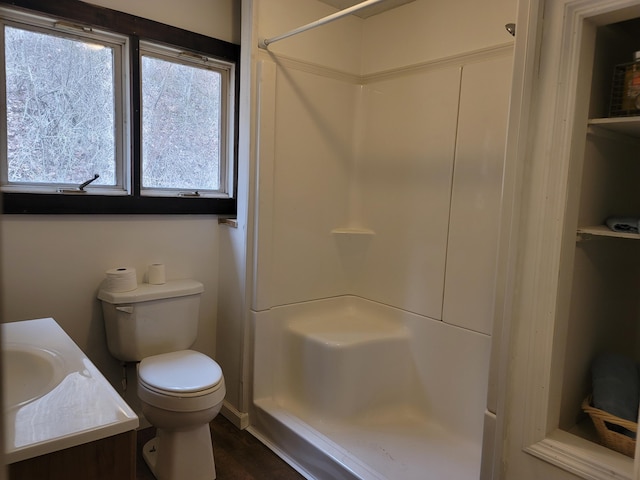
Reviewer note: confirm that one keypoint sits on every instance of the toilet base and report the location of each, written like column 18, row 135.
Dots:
column 179, row 455
column 149, row 454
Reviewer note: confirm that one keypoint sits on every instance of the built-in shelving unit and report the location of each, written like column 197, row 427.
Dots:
column 571, row 300
column 603, row 313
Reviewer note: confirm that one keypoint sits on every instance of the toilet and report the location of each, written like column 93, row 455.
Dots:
column 180, row 390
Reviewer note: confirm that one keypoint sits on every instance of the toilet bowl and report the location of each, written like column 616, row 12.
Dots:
column 180, row 393
column 180, row 390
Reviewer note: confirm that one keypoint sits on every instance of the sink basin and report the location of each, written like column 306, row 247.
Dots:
column 29, row 373
column 54, row 396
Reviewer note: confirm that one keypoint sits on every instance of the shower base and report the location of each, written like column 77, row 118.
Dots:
column 388, row 445
column 346, row 389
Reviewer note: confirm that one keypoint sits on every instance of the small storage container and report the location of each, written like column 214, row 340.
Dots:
column 611, row 439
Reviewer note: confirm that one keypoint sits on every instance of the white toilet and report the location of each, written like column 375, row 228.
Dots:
column 180, row 390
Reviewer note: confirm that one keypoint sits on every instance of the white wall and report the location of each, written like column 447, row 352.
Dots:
column 336, row 45
column 426, row 30
column 53, row 265
column 216, row 18
column 411, row 34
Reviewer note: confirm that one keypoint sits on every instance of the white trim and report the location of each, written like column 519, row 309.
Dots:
column 568, row 452
column 504, row 353
column 265, row 110
column 280, row 453
column 552, row 239
column 449, row 61
column 235, row 416
column 457, row 60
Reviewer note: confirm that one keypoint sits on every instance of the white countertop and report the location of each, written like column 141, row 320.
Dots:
column 79, row 405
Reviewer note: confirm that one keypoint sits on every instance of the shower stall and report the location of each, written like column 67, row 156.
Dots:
column 379, row 152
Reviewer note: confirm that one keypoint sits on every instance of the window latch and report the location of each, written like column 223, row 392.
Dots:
column 80, row 188
column 189, row 194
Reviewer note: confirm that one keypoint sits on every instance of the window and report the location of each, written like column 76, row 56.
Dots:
column 62, row 123
column 114, row 114
column 182, row 93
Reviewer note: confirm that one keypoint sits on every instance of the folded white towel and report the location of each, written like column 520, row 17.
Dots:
column 623, row 224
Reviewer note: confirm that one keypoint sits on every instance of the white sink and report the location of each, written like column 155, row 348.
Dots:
column 54, row 396
column 29, row 372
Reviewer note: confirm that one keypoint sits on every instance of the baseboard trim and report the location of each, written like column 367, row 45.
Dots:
column 235, row 416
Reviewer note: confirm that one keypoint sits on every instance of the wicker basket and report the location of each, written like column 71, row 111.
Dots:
column 610, row 439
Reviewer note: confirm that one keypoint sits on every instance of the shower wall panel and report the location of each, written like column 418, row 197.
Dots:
column 404, row 175
column 304, row 189
column 381, row 157
column 477, row 194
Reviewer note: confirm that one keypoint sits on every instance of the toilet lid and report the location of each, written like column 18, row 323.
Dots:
column 185, row 371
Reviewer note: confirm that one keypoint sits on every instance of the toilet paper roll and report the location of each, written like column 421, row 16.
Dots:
column 155, row 274
column 121, row 279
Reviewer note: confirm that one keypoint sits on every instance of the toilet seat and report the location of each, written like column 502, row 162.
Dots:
column 180, row 381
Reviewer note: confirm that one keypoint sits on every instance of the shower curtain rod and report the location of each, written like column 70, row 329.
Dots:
column 330, row 18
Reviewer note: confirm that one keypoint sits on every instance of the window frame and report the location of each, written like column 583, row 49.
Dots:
column 137, row 30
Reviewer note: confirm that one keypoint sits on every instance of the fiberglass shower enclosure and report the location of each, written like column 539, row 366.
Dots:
column 379, row 158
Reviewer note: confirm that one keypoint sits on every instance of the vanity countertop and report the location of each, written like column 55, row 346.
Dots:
column 54, row 397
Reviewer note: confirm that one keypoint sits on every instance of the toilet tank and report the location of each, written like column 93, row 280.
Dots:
column 151, row 319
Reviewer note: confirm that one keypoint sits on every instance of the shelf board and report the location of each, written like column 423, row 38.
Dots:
column 626, row 125
column 584, row 458
column 352, row 231
column 604, row 231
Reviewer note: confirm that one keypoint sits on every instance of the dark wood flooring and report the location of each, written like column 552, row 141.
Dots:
column 238, row 455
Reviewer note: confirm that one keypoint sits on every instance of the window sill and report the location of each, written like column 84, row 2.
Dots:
column 29, row 203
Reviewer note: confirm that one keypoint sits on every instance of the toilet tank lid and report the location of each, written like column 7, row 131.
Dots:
column 146, row 292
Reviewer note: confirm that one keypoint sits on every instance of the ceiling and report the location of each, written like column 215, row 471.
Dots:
column 367, row 11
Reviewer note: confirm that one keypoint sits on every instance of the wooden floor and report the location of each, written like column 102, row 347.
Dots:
column 238, row 455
